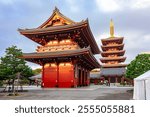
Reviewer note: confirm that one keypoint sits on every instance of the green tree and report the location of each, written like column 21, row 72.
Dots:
column 11, row 65
column 37, row 71
column 138, row 66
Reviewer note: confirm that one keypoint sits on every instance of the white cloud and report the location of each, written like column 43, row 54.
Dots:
column 146, row 37
column 117, row 5
column 140, row 4
column 108, row 5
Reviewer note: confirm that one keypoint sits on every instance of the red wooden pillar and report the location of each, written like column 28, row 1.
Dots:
column 42, row 83
column 88, row 77
column 81, row 77
column 57, row 75
column 75, row 74
column 85, row 79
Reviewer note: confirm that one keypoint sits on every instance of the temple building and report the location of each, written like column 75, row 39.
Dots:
column 65, row 51
column 112, row 53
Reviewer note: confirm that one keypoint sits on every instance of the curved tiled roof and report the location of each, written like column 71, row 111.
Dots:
column 86, row 52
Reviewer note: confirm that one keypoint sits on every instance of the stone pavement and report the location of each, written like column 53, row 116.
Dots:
column 93, row 92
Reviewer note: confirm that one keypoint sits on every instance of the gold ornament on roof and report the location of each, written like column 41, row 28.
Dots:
column 111, row 28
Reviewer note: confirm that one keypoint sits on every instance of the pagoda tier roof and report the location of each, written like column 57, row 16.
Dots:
column 119, row 46
column 84, row 56
column 119, row 53
column 119, row 59
column 78, row 31
column 118, row 40
column 113, row 65
column 112, row 38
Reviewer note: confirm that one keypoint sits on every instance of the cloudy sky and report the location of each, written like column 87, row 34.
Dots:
column 131, row 19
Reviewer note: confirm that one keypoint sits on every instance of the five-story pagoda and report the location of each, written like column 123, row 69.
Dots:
column 112, row 53
column 65, row 53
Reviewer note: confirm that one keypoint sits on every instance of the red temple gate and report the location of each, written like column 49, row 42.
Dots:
column 66, row 51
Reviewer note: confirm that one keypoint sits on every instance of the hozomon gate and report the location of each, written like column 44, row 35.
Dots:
column 65, row 53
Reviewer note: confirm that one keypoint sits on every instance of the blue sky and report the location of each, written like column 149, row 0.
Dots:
column 131, row 19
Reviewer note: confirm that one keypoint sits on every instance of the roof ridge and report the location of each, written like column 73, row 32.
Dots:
column 56, row 11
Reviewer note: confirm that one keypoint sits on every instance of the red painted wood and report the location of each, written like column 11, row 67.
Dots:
column 50, row 76
column 75, row 82
column 85, row 78
column 63, row 75
column 66, row 75
column 42, row 84
column 79, row 78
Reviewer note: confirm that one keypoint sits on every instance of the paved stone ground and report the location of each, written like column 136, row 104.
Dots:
column 93, row 92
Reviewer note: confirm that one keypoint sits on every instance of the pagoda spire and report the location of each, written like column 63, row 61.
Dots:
column 111, row 28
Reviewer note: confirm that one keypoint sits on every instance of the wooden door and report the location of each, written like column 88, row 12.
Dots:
column 66, row 75
column 50, row 76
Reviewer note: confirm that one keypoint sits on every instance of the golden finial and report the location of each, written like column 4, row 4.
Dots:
column 111, row 28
